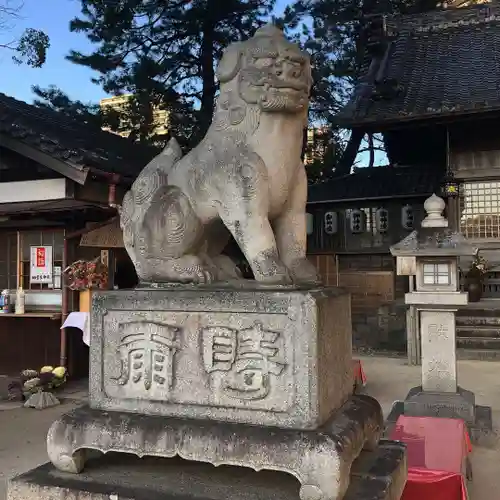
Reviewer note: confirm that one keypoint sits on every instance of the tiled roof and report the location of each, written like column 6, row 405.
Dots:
column 377, row 183
column 445, row 62
column 69, row 140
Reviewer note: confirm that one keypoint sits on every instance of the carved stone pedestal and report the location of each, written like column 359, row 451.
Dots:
column 254, row 377
column 276, row 356
column 459, row 404
column 320, row 459
column 126, row 477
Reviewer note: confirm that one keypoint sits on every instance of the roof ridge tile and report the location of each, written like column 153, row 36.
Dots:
column 69, row 139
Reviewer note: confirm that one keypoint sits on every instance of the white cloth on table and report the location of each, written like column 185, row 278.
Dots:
column 80, row 320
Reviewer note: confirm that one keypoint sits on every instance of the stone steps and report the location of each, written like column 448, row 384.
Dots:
column 478, row 333
column 479, row 312
column 485, row 343
column 465, row 321
column 478, row 354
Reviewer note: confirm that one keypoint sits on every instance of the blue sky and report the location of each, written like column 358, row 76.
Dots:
column 53, row 17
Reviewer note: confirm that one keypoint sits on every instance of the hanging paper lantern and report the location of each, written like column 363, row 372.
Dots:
column 357, row 221
column 331, row 222
column 407, row 217
column 382, row 220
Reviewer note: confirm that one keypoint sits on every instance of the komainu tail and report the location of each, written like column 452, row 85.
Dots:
column 136, row 201
column 152, row 176
column 164, row 162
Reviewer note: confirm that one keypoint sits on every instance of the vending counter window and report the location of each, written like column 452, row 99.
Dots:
column 33, row 260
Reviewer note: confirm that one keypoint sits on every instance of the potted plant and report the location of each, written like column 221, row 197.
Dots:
column 36, row 387
column 83, row 276
column 475, row 277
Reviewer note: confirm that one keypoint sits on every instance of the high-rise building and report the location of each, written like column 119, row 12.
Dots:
column 120, row 102
column 316, row 145
column 461, row 3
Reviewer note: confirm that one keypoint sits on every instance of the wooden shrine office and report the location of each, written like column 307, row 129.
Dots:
column 58, row 179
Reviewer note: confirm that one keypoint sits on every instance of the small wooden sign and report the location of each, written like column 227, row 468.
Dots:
column 105, row 257
column 109, row 236
column 406, row 266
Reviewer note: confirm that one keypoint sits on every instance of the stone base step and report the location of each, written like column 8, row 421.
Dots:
column 492, row 314
column 380, row 475
column 483, row 343
column 486, row 331
column 478, row 321
column 481, row 431
column 478, row 354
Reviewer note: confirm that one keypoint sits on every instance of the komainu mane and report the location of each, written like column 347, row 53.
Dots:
column 245, row 178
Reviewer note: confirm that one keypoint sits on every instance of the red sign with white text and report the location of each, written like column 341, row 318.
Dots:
column 40, row 257
column 41, row 264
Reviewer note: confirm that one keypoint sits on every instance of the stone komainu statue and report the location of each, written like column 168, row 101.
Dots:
column 245, row 178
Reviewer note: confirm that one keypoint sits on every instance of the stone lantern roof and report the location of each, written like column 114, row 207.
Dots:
column 434, row 238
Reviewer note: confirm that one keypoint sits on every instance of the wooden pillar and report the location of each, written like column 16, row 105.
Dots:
column 413, row 331
column 111, row 268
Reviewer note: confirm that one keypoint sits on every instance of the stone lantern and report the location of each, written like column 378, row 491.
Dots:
column 432, row 255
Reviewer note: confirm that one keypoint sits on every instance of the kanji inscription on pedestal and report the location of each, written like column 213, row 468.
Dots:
column 249, row 358
column 147, row 351
column 232, row 355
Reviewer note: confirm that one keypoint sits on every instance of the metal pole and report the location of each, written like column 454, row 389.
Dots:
column 65, row 305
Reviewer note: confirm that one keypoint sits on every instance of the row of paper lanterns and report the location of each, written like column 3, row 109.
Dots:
column 357, row 220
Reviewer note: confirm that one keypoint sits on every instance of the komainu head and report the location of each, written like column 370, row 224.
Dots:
column 269, row 71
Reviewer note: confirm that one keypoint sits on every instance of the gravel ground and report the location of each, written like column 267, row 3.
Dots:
column 23, row 431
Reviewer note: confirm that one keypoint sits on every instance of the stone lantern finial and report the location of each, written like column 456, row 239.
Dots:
column 434, row 206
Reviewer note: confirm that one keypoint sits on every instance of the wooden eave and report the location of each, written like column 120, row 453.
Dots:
column 72, row 171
